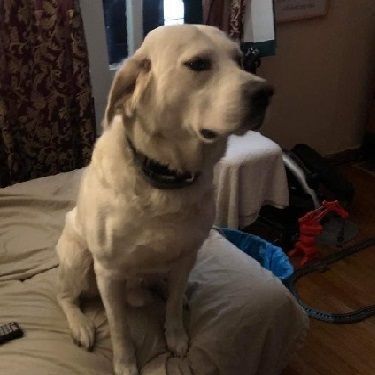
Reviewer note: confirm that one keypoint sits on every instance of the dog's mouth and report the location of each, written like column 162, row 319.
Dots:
column 159, row 175
column 240, row 124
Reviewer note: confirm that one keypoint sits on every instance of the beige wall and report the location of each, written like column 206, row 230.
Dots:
column 322, row 73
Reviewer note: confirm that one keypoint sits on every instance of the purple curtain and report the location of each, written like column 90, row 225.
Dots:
column 47, row 122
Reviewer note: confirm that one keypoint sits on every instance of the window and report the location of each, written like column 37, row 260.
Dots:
column 173, row 12
column 116, row 33
column 121, row 22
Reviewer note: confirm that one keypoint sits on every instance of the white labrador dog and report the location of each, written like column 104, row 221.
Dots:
column 146, row 201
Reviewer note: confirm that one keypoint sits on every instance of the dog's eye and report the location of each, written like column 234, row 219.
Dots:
column 198, row 64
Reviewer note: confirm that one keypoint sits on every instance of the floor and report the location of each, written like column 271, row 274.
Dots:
column 343, row 349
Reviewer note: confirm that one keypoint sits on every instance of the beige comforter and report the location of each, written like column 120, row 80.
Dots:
column 241, row 319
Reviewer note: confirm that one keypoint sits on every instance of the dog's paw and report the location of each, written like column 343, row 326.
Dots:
column 120, row 368
column 83, row 331
column 177, row 341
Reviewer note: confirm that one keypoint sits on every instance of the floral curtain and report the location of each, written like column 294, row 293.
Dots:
column 225, row 14
column 236, row 14
column 47, row 121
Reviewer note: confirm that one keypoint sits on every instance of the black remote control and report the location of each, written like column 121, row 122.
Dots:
column 10, row 331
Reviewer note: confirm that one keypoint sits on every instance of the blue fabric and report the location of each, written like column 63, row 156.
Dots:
column 269, row 256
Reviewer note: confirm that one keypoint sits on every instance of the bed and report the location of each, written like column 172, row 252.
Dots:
column 241, row 319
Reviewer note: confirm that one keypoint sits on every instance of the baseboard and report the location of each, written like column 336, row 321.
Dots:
column 364, row 152
column 346, row 156
column 368, row 146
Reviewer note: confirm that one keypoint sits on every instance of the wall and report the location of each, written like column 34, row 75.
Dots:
column 322, row 73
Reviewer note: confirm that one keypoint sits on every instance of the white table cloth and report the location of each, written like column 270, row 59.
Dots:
column 250, row 175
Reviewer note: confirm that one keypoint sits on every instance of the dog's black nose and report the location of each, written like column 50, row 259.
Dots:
column 260, row 94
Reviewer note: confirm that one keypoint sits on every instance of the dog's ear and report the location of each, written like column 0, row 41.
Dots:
column 128, row 85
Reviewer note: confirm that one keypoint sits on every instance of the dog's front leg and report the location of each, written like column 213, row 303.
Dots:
column 112, row 294
column 177, row 339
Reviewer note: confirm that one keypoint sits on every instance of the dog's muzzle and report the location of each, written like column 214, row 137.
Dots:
column 255, row 98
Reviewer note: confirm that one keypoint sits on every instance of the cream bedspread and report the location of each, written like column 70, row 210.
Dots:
column 241, row 319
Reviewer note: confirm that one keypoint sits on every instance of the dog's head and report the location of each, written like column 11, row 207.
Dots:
column 185, row 85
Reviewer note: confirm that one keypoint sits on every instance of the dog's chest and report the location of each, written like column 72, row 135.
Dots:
column 150, row 240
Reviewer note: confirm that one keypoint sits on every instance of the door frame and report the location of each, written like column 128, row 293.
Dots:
column 101, row 72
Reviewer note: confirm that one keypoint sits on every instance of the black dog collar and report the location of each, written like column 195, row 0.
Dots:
column 160, row 176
